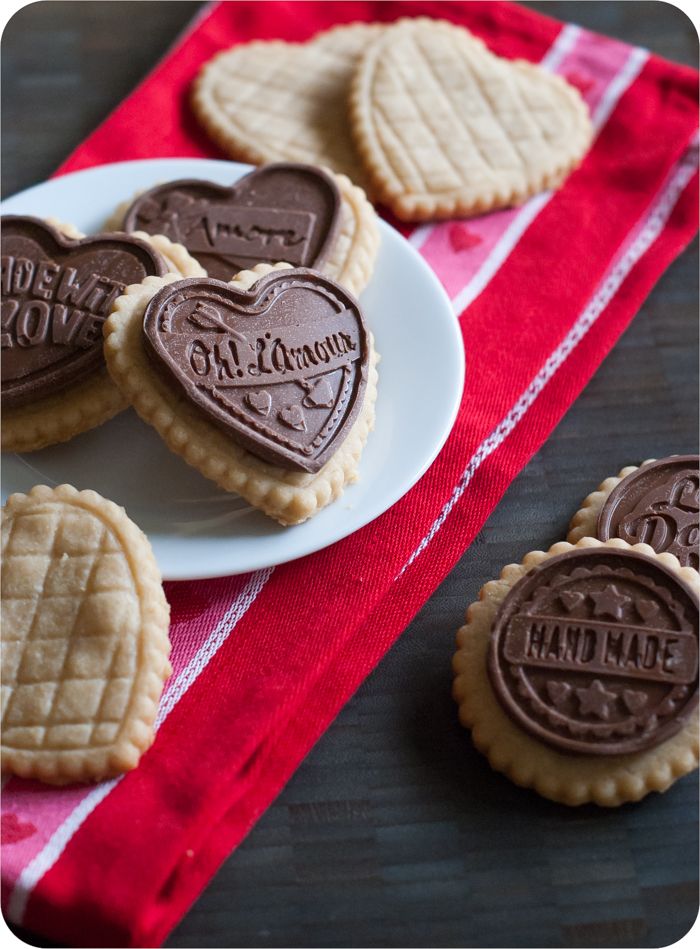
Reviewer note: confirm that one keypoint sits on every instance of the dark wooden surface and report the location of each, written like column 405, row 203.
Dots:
column 394, row 831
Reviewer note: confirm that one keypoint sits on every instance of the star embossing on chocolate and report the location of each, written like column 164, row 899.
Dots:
column 609, row 602
column 595, row 700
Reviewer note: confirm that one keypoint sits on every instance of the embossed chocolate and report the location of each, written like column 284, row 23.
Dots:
column 281, row 367
column 280, row 212
column 56, row 294
column 658, row 504
column 596, row 652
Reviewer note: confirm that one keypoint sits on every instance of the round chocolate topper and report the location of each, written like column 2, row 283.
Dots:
column 596, row 652
column 281, row 212
column 658, row 504
column 56, row 294
column 281, row 367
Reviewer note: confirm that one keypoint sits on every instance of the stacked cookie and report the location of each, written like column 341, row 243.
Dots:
column 418, row 112
column 264, row 381
column 577, row 670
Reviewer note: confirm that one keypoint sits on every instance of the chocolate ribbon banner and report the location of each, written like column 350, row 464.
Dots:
column 254, row 233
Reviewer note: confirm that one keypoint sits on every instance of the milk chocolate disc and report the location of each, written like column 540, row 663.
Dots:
column 596, row 652
column 658, row 504
column 56, row 294
column 281, row 367
column 280, row 212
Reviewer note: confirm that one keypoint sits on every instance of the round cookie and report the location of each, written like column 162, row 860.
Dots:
column 576, row 672
column 57, row 292
column 84, row 637
column 276, row 101
column 289, row 496
column 287, row 211
column 656, row 503
column 447, row 129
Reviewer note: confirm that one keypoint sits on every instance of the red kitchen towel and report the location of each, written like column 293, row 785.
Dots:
column 263, row 662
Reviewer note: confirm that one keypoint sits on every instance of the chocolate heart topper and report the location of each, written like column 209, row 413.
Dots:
column 56, row 294
column 280, row 212
column 281, row 367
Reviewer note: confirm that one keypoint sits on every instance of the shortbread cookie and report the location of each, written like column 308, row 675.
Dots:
column 188, row 358
column 447, row 129
column 656, row 503
column 57, row 292
column 577, row 672
column 305, row 215
column 276, row 101
column 84, row 637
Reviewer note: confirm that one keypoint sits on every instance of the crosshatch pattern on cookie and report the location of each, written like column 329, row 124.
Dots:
column 446, row 127
column 84, row 636
column 274, row 101
column 71, row 682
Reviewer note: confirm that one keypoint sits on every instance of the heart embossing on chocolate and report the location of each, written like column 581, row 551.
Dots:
column 572, row 599
column 558, row 692
column 261, row 402
column 292, row 334
column 647, row 609
column 56, row 294
column 281, row 212
column 634, row 700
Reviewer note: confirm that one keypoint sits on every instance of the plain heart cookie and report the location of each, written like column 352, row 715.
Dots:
column 447, row 129
column 230, row 368
column 84, row 637
column 275, row 101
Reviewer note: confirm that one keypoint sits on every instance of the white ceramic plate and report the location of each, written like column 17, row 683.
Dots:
column 196, row 529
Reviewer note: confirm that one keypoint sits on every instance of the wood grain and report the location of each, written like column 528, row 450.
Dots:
column 394, row 831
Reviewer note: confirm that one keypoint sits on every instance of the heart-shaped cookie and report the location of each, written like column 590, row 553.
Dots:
column 288, row 496
column 57, row 293
column 280, row 212
column 85, row 637
column 447, row 129
column 228, row 349
column 275, row 101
